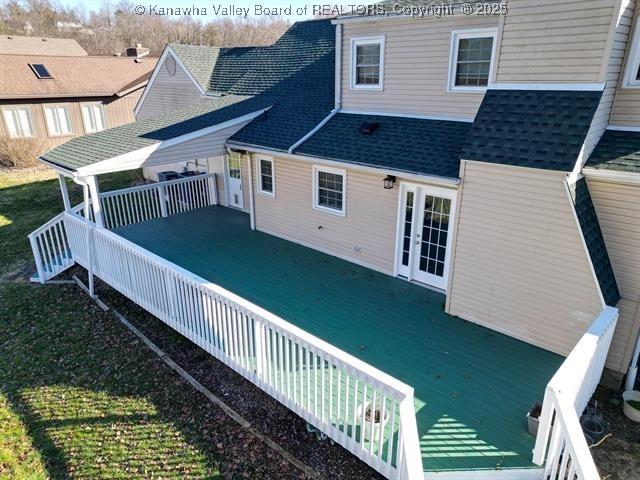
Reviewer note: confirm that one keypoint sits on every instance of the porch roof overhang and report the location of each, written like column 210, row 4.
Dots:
column 128, row 147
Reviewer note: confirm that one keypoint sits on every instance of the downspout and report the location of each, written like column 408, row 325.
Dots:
column 338, row 67
column 632, row 373
column 252, row 205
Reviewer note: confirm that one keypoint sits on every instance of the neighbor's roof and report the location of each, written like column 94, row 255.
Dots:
column 527, row 128
column 617, row 150
column 594, row 240
column 421, row 146
column 89, row 149
column 19, row 45
column 72, row 76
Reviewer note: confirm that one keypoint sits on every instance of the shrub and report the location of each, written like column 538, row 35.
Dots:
column 19, row 152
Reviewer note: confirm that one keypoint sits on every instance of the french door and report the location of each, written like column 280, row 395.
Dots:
column 234, row 180
column 425, row 227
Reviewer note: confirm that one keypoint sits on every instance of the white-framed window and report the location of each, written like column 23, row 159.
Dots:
column 19, row 122
column 93, row 117
column 632, row 69
column 265, row 169
column 472, row 59
column 367, row 63
column 58, row 120
column 330, row 189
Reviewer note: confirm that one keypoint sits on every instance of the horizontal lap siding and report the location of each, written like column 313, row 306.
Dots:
column 168, row 93
column 520, row 267
column 369, row 224
column 415, row 69
column 559, row 41
column 626, row 106
column 618, row 209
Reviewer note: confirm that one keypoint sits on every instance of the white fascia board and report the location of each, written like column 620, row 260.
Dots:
column 167, row 51
column 612, row 176
column 624, row 128
column 136, row 158
column 585, row 87
column 58, row 168
column 423, row 178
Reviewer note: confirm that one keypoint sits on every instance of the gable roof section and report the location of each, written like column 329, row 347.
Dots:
column 422, row 146
column 617, row 150
column 72, row 76
column 89, row 149
column 21, row 45
column 199, row 60
column 596, row 246
column 537, row 129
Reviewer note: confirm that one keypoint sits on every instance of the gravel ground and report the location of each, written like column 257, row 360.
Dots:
column 267, row 415
column 618, row 454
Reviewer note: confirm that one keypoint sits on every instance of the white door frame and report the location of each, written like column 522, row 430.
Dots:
column 419, row 191
column 228, row 182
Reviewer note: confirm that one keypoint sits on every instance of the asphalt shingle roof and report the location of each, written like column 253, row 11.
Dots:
column 199, row 60
column 82, row 151
column 596, row 246
column 617, row 150
column 409, row 144
column 537, row 129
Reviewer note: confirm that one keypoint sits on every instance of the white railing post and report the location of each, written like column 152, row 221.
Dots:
column 37, row 257
column 213, row 189
column 410, row 439
column 544, row 428
column 259, row 342
column 162, row 198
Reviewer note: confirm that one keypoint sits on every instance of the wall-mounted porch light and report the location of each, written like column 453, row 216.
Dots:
column 389, row 181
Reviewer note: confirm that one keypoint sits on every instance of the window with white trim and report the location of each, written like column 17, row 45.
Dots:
column 329, row 189
column 93, row 117
column 19, row 122
column 632, row 70
column 472, row 57
column 367, row 62
column 266, row 176
column 58, row 120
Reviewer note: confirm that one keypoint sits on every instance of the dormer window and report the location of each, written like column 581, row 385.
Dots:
column 471, row 64
column 40, row 70
column 632, row 72
column 367, row 63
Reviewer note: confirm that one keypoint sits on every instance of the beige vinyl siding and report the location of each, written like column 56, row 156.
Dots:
column 618, row 209
column 554, row 41
column 167, row 93
column 626, row 106
column 120, row 110
column 365, row 235
column 201, row 147
column 416, row 67
column 519, row 263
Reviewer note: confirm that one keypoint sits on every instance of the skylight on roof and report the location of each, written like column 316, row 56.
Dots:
column 40, row 70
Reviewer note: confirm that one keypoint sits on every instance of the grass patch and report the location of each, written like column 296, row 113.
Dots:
column 30, row 197
column 94, row 400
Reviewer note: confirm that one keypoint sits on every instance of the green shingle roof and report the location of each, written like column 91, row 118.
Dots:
column 82, row 151
column 199, row 60
column 617, row 150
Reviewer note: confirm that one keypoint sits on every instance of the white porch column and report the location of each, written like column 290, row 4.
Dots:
column 252, row 210
column 89, row 247
column 64, row 192
column 92, row 182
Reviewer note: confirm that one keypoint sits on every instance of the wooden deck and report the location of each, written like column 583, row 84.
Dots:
column 473, row 386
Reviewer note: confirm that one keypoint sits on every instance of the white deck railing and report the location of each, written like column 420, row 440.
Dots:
column 155, row 200
column 337, row 393
column 560, row 439
column 50, row 248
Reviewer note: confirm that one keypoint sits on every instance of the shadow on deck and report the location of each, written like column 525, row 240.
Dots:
column 473, row 386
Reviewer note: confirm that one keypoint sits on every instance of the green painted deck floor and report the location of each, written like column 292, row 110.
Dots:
column 473, row 386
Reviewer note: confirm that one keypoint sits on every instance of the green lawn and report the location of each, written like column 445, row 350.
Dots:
column 30, row 197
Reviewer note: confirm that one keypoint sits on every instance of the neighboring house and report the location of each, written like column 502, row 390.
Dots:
column 475, row 182
column 55, row 96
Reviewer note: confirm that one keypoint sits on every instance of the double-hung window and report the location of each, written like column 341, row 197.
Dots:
column 266, row 176
column 19, row 122
column 367, row 63
column 58, row 120
column 93, row 117
column 632, row 70
column 329, row 189
column 472, row 55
